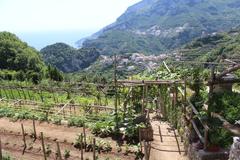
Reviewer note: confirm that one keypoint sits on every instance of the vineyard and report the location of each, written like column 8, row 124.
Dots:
column 179, row 106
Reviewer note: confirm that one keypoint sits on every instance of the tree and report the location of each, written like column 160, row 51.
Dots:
column 54, row 74
column 20, row 76
column 35, row 77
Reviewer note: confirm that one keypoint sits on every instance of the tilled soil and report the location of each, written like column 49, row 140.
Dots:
column 12, row 141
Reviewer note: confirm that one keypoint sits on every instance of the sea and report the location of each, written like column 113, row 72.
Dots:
column 39, row 40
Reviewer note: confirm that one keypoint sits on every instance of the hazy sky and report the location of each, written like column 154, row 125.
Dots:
column 57, row 15
column 44, row 22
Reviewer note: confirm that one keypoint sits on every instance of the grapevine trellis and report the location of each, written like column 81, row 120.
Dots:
column 91, row 145
column 187, row 111
column 168, row 102
column 193, row 121
column 35, row 99
column 168, row 98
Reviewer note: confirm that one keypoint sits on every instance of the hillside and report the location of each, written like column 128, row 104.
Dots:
column 17, row 55
column 127, row 65
column 156, row 26
column 214, row 48
column 67, row 58
column 18, row 60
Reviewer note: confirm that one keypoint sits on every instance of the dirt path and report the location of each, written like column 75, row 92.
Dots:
column 11, row 136
column 168, row 149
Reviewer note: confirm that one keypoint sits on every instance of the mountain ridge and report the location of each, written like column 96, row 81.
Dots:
column 155, row 26
column 67, row 58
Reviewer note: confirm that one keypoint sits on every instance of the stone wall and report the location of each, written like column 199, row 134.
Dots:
column 235, row 149
column 205, row 155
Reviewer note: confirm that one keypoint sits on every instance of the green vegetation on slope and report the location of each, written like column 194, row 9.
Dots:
column 21, row 62
column 215, row 48
column 17, row 55
column 18, row 59
column 119, row 42
column 67, row 58
column 154, row 26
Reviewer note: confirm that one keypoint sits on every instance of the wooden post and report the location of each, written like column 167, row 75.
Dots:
column 43, row 147
column 211, row 83
column 181, row 138
column 176, row 91
column 70, row 107
column 185, row 90
column 175, row 103
column 84, row 135
column 210, row 94
column 148, row 116
column 174, row 96
column 172, row 100
column 177, row 141
column 185, row 97
column 143, row 99
column 149, row 149
column 106, row 103
column 160, row 133
column 24, row 139
column 94, row 149
column 157, row 101
column 119, row 99
column 145, row 150
column 205, row 139
column 161, row 103
column 74, row 110
column 63, row 113
column 59, row 152
column 1, row 155
column 132, row 94
column 1, row 96
column 81, row 147
column 34, row 130
column 54, row 98
column 116, row 91
column 146, row 96
column 140, row 138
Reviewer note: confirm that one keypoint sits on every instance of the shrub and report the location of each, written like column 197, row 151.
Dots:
column 76, row 121
column 66, row 154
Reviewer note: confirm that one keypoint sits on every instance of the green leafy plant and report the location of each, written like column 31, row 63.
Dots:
column 7, row 157
column 56, row 120
column 76, row 121
column 103, row 129
column 220, row 137
column 66, row 154
column 48, row 150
